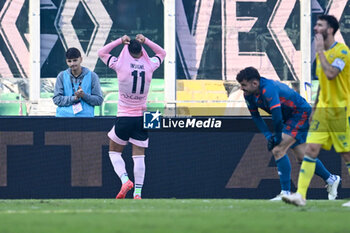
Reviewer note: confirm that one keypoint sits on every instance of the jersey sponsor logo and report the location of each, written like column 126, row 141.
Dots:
column 132, row 97
column 151, row 120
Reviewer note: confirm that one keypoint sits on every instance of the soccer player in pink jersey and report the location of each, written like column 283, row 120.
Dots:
column 134, row 70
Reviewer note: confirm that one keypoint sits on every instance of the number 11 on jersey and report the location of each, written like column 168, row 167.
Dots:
column 135, row 75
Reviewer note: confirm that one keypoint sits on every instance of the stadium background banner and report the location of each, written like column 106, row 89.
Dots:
column 48, row 158
column 214, row 40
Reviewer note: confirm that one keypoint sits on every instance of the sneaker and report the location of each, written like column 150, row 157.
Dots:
column 295, row 199
column 137, row 197
column 279, row 196
column 125, row 189
column 332, row 189
column 346, row 204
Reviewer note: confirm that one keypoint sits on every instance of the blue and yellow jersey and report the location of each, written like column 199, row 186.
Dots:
column 274, row 94
column 335, row 93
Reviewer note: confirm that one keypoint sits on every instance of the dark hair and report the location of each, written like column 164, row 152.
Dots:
column 73, row 53
column 134, row 46
column 331, row 20
column 249, row 73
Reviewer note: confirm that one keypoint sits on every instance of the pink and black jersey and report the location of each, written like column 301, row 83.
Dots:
column 134, row 76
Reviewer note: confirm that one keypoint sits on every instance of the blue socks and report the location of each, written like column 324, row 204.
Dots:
column 284, row 170
column 321, row 170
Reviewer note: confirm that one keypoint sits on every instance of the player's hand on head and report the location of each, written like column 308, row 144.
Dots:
column 126, row 39
column 140, row 38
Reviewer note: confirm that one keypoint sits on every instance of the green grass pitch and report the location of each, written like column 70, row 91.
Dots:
column 171, row 215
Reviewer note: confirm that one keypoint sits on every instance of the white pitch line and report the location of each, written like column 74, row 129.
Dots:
column 66, row 211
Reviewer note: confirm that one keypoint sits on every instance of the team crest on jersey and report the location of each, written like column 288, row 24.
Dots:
column 154, row 60
column 341, row 137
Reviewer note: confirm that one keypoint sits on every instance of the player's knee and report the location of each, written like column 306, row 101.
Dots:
column 299, row 160
column 312, row 151
column 346, row 157
column 137, row 150
column 115, row 147
column 278, row 151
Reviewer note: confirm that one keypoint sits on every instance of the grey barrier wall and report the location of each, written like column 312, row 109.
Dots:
column 68, row 158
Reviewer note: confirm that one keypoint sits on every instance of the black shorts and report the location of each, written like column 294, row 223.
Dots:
column 129, row 129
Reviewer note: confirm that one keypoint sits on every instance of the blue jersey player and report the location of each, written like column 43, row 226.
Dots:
column 290, row 115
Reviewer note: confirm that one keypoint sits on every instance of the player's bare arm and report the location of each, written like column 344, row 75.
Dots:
column 330, row 71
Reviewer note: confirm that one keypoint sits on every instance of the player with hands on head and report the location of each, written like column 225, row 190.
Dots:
column 134, row 70
column 290, row 114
